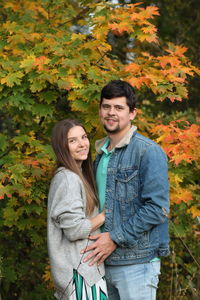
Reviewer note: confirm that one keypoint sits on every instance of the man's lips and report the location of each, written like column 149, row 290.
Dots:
column 109, row 120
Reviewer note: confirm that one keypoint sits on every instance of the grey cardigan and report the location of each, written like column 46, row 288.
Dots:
column 68, row 229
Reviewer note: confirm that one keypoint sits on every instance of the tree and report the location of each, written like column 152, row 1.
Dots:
column 178, row 23
column 55, row 57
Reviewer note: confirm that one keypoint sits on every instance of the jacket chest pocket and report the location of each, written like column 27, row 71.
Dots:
column 127, row 184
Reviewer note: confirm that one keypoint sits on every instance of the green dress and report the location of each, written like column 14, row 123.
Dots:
column 82, row 291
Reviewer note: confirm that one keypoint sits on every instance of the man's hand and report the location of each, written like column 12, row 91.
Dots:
column 102, row 248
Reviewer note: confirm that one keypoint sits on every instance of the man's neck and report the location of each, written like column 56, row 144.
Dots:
column 115, row 138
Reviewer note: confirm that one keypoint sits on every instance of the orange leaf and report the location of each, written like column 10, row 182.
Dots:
column 40, row 62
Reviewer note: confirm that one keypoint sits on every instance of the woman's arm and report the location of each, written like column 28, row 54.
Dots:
column 97, row 221
column 66, row 207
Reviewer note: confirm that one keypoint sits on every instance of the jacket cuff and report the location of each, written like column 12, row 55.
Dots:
column 121, row 239
column 117, row 237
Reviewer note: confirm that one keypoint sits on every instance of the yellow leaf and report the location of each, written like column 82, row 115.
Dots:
column 12, row 78
column 47, row 277
column 28, row 62
column 194, row 211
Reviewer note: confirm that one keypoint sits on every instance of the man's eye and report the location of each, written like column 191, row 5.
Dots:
column 119, row 107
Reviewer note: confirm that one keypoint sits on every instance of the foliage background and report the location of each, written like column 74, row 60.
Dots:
column 55, row 56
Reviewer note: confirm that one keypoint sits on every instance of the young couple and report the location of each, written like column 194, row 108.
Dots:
column 124, row 222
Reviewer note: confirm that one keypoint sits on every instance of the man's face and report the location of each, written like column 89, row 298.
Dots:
column 115, row 115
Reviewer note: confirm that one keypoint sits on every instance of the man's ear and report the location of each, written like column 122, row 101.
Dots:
column 133, row 114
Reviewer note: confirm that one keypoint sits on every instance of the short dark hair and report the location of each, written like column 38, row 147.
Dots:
column 119, row 88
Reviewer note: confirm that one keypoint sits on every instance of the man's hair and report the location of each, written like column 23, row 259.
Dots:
column 119, row 88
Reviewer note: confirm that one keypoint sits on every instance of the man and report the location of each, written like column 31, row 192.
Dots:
column 132, row 181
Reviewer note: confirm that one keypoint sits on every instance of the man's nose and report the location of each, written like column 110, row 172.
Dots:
column 111, row 111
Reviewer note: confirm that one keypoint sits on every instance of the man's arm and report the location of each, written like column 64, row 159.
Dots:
column 154, row 189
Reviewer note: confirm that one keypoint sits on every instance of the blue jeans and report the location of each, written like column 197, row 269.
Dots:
column 133, row 282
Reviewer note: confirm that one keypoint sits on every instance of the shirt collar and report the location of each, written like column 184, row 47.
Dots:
column 104, row 147
column 101, row 145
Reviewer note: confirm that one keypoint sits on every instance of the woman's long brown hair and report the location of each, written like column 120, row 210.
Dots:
column 64, row 159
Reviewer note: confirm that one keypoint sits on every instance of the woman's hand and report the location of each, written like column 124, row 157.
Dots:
column 98, row 221
column 103, row 217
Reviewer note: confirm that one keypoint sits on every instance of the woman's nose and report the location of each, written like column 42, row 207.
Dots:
column 81, row 143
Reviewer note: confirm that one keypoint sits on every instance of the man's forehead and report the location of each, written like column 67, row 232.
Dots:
column 115, row 101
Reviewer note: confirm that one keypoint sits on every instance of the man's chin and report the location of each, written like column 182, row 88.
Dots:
column 113, row 131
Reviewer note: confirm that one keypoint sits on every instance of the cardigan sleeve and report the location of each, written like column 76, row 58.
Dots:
column 67, row 210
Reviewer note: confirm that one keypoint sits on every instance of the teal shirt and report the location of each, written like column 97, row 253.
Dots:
column 101, row 174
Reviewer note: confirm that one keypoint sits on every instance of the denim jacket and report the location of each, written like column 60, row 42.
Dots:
column 136, row 200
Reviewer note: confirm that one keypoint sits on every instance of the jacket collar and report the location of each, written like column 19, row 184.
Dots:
column 124, row 141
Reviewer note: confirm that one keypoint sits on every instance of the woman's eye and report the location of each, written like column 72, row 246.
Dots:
column 71, row 141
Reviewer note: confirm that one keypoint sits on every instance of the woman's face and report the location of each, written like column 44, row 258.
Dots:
column 78, row 144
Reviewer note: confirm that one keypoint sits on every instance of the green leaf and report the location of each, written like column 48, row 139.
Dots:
column 42, row 110
column 21, row 139
column 37, row 86
column 62, row 72
column 80, row 105
column 21, row 101
column 3, row 142
column 49, row 96
column 12, row 78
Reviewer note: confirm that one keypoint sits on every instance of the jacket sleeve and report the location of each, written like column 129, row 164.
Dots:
column 67, row 209
column 154, row 188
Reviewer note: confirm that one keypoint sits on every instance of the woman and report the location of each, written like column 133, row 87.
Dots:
column 73, row 215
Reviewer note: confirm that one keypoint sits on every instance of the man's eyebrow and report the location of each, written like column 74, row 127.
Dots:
column 115, row 105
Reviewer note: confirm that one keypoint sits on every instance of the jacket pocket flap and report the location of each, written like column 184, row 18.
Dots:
column 126, row 175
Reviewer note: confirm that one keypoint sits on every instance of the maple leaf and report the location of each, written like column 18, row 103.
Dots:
column 13, row 6
column 147, row 37
column 28, row 62
column 47, row 277
column 136, row 82
column 151, row 29
column 31, row 162
column 12, row 78
column 176, row 50
column 10, row 26
column 64, row 84
column 194, row 211
column 180, row 195
column 165, row 60
column 133, row 68
column 151, row 11
column 40, row 62
column 196, row 70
